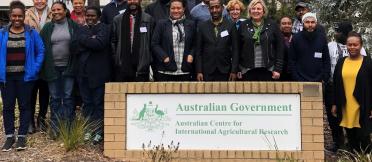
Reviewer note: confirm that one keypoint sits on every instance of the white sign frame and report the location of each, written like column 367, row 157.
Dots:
column 159, row 118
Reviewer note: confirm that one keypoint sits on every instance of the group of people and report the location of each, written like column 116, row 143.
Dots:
column 46, row 51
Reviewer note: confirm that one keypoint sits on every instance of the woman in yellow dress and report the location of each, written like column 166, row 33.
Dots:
column 353, row 98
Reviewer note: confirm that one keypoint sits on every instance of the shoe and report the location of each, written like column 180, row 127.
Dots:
column 87, row 136
column 21, row 143
column 8, row 144
column 97, row 139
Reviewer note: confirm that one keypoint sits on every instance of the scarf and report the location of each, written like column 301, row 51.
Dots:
column 130, row 52
column 257, row 32
column 43, row 18
column 178, row 23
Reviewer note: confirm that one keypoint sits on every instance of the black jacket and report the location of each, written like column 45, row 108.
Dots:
column 219, row 52
column 304, row 63
column 362, row 91
column 162, row 45
column 145, row 56
column 95, row 57
column 271, row 41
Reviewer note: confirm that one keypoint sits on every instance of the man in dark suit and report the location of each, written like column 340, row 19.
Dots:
column 216, row 51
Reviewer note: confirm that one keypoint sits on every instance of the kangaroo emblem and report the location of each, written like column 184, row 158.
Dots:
column 142, row 113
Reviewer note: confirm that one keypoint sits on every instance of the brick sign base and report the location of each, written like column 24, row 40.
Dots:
column 311, row 119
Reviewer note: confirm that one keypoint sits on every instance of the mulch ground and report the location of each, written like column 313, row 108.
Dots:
column 41, row 148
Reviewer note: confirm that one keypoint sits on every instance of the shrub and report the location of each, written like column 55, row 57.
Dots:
column 160, row 153
column 362, row 156
column 72, row 133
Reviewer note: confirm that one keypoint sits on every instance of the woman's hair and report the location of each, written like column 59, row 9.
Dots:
column 355, row 34
column 255, row 2
column 17, row 4
column 98, row 11
column 181, row 1
column 68, row 15
column 232, row 3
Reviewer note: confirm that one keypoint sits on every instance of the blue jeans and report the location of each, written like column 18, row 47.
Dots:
column 16, row 89
column 61, row 99
column 93, row 103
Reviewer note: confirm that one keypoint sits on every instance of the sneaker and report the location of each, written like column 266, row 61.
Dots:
column 8, row 144
column 21, row 143
column 87, row 136
column 97, row 139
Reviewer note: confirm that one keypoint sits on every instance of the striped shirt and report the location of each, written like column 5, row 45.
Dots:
column 258, row 59
column 15, row 58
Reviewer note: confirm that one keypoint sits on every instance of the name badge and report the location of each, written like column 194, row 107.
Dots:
column 318, row 55
column 224, row 34
column 143, row 29
column 121, row 11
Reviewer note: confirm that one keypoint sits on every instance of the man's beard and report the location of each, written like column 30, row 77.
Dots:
column 217, row 17
column 310, row 35
column 133, row 8
column 299, row 17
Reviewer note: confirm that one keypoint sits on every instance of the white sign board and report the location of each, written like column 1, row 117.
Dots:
column 215, row 121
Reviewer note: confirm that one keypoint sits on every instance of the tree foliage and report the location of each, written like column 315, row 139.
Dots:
column 330, row 12
column 359, row 12
column 280, row 8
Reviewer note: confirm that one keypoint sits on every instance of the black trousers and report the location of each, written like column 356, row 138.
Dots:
column 168, row 78
column 216, row 76
column 286, row 77
column 16, row 89
column 40, row 86
column 258, row 74
column 93, row 99
column 358, row 139
column 119, row 77
column 336, row 129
